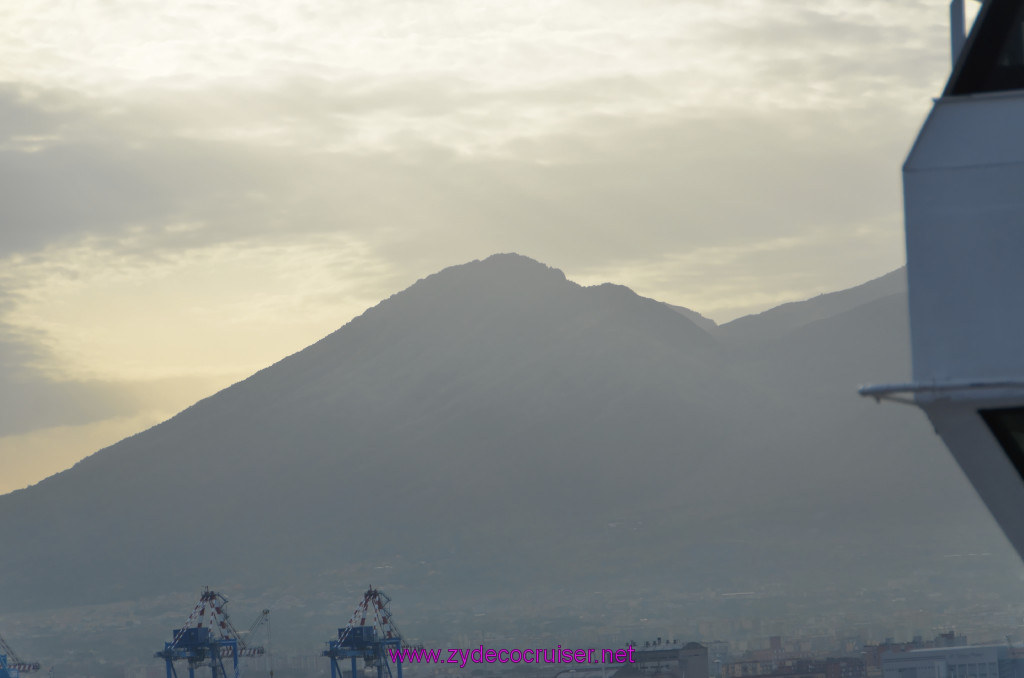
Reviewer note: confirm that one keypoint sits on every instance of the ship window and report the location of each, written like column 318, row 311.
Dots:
column 993, row 58
column 1007, row 426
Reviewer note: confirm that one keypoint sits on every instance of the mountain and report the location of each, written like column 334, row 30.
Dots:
column 498, row 429
column 706, row 324
column 781, row 320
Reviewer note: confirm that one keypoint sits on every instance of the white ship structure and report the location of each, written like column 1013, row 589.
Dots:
column 963, row 187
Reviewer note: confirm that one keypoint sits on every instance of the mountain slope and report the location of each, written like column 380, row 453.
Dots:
column 488, row 383
column 781, row 320
column 494, row 422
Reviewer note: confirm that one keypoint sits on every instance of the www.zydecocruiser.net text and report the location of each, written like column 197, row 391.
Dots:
column 481, row 655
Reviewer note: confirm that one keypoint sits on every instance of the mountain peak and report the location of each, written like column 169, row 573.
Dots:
column 513, row 273
column 510, row 296
column 512, row 261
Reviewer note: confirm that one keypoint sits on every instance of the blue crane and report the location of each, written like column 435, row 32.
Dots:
column 11, row 665
column 369, row 642
column 209, row 643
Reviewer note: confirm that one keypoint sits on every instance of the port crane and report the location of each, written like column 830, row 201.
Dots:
column 369, row 642
column 208, row 638
column 11, row 665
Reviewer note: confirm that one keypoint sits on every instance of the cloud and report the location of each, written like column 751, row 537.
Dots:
column 219, row 312
column 708, row 53
column 34, row 396
column 246, row 227
column 192, row 191
column 263, row 120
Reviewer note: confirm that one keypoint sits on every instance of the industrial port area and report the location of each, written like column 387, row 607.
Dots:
column 208, row 644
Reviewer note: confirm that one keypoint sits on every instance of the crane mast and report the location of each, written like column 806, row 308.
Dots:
column 208, row 637
column 367, row 641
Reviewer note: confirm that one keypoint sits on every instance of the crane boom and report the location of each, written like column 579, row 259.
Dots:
column 14, row 661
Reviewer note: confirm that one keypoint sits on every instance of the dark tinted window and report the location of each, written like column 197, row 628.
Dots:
column 993, row 58
column 1008, row 427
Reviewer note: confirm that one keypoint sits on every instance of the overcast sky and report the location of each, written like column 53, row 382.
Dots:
column 193, row 190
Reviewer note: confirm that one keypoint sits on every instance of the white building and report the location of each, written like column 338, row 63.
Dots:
column 950, row 662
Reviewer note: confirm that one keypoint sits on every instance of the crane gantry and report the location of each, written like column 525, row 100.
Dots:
column 11, row 665
column 369, row 642
column 209, row 643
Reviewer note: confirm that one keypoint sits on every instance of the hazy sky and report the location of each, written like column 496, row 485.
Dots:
column 193, row 190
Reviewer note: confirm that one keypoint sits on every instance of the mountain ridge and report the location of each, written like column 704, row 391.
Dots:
column 491, row 421
column 780, row 320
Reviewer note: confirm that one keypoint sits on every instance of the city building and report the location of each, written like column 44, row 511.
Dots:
column 986, row 661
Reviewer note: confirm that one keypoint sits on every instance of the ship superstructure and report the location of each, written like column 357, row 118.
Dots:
column 963, row 185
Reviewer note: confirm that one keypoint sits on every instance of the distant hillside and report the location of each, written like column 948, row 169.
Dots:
column 498, row 428
column 782, row 320
column 706, row 324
